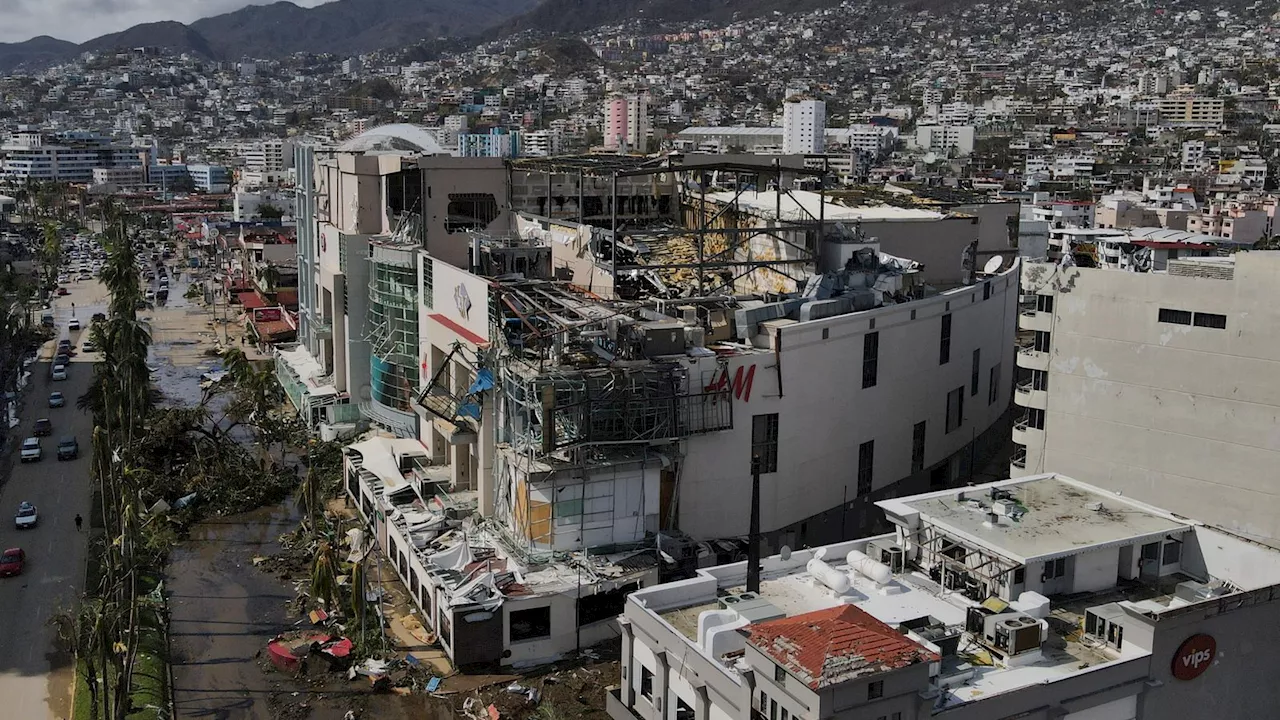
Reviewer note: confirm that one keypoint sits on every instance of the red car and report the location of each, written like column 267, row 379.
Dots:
column 63, row 292
column 11, row 562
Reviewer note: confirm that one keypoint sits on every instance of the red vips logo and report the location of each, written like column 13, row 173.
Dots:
column 1194, row 656
column 741, row 382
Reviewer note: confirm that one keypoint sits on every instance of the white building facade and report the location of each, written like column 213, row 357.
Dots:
column 804, row 124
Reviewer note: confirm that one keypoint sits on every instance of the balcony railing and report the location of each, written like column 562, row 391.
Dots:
column 1019, row 459
column 1024, row 388
column 1022, row 423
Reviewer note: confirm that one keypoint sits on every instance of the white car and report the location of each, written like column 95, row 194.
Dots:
column 73, row 325
column 27, row 516
column 59, row 372
column 31, row 450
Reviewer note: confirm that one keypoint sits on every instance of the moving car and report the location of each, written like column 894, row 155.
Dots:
column 31, row 450
column 56, row 399
column 12, row 561
column 68, row 448
column 43, row 428
column 59, row 372
column 27, row 516
column 73, row 325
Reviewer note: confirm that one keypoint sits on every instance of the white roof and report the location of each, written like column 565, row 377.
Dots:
column 308, row 369
column 402, row 137
column 380, row 456
column 1160, row 234
column 1055, row 517
column 803, row 205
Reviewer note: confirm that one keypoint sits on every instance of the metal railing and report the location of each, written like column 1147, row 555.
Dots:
column 1019, row 459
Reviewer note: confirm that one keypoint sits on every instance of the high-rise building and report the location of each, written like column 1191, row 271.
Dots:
column 36, row 156
column 804, row 125
column 1157, row 385
column 626, row 123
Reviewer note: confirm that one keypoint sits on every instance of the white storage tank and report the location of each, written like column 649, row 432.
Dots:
column 879, row 573
column 829, row 576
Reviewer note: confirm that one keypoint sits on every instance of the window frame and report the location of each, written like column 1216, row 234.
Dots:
column 975, row 377
column 532, row 634
column 919, row 438
column 870, row 360
column 866, row 467
column 944, row 340
column 958, row 408
column 875, row 689
column 765, row 448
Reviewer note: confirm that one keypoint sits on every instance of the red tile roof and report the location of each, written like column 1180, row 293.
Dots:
column 251, row 300
column 832, row 646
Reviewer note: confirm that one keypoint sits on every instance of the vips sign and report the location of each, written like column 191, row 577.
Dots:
column 1194, row 656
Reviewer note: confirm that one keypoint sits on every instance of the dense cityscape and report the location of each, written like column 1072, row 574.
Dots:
column 640, row 361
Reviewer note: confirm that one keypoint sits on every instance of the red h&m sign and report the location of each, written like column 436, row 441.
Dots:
column 741, row 383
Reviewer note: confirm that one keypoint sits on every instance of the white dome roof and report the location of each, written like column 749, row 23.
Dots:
column 402, row 137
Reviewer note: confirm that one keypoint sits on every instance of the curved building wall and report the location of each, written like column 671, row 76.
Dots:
column 813, row 382
column 393, row 338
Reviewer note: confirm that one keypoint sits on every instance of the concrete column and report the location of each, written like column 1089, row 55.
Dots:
column 660, row 687
column 488, row 430
column 702, row 704
column 627, row 661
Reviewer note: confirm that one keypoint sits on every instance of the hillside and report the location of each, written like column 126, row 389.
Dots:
column 571, row 16
column 268, row 31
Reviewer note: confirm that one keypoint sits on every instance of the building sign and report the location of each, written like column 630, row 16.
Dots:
column 270, row 314
column 741, row 382
column 462, row 300
column 1194, row 656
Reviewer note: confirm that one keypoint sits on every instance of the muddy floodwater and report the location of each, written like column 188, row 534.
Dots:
column 223, row 611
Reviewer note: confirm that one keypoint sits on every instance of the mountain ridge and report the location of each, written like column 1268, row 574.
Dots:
column 283, row 28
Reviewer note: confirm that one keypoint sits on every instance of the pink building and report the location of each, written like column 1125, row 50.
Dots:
column 626, row 122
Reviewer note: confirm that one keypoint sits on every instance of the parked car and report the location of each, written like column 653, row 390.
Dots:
column 27, row 516
column 56, row 399
column 59, row 372
column 68, row 448
column 12, row 561
column 31, row 450
column 43, row 427
column 89, row 346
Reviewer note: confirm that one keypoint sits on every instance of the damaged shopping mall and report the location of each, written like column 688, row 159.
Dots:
column 589, row 391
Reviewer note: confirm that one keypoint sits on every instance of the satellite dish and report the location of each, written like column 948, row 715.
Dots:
column 993, row 265
column 785, row 553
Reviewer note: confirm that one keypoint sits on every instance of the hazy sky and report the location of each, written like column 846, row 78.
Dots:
column 80, row 20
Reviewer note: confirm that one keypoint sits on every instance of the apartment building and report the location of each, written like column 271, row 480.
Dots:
column 1192, row 111
column 210, row 178
column 945, row 139
column 1040, row 597
column 627, row 122
column 804, row 124
column 1236, row 222
column 36, row 156
column 271, row 155
column 1157, row 384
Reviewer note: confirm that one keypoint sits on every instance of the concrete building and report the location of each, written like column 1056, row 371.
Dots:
column 1158, row 384
column 497, row 143
column 945, row 139
column 272, row 155
column 1042, row 597
column 874, row 141
column 804, row 125
column 251, row 206
column 1192, row 111
column 120, row 176
column 210, row 178
column 627, row 123
column 35, row 156
column 1240, row 223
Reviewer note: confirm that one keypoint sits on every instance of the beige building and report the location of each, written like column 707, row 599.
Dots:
column 1160, row 386
column 1192, row 111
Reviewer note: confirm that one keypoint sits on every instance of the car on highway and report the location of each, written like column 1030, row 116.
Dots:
column 12, row 562
column 43, row 428
column 59, row 372
column 56, row 399
column 27, row 516
column 68, row 448
column 31, row 450
column 73, row 325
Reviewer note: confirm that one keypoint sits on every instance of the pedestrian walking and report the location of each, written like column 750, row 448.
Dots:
column 79, row 522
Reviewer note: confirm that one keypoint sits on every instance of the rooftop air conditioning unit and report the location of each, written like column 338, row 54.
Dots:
column 888, row 553
column 1012, row 633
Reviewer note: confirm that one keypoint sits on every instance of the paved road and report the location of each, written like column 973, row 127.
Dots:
column 35, row 682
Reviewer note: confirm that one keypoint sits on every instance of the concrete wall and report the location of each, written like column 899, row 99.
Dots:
column 814, row 384
column 1175, row 415
column 936, row 243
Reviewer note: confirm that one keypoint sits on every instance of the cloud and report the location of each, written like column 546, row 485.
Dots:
column 80, row 20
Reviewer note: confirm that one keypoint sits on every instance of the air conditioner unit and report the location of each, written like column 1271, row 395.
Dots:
column 888, row 553
column 1012, row 633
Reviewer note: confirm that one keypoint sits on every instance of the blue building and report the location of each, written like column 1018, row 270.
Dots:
column 210, row 178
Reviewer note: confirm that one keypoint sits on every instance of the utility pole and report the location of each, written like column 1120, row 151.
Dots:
column 753, row 536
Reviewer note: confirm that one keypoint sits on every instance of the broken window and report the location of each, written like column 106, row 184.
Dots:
column 917, row 446
column 530, row 624
column 866, row 466
column 1210, row 320
column 764, row 441
column 870, row 359
column 471, row 211
column 944, row 341
column 604, row 605
column 955, row 409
